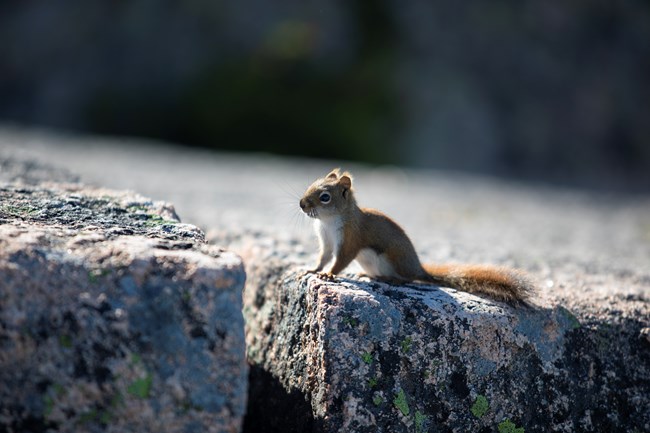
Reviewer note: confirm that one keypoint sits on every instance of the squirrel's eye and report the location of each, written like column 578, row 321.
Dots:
column 325, row 197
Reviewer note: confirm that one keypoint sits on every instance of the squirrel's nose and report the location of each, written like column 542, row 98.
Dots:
column 302, row 204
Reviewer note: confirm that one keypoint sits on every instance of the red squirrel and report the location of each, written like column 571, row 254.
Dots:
column 348, row 232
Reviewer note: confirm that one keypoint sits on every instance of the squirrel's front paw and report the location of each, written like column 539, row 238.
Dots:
column 326, row 276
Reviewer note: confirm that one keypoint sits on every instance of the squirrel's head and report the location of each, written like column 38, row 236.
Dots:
column 329, row 196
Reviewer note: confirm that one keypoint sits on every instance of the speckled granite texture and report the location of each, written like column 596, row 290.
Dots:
column 114, row 316
column 371, row 357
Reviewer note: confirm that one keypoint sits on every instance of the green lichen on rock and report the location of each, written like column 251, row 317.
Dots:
column 135, row 359
column 350, row 321
column 88, row 416
column 18, row 211
column 141, row 387
column 406, row 344
column 187, row 405
column 480, row 406
column 420, row 419
column 136, row 208
column 49, row 399
column 400, row 402
column 93, row 415
column 48, row 402
column 149, row 219
column 65, row 341
column 156, row 220
column 117, row 400
column 377, row 400
column 105, row 417
column 367, row 357
column 507, row 426
column 574, row 323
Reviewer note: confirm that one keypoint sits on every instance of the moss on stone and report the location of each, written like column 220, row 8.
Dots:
column 65, row 341
column 136, row 359
column 507, row 426
column 141, row 387
column 480, row 406
column 19, row 211
column 419, row 419
column 88, row 416
column 400, row 402
column 49, row 399
column 48, row 403
column 406, row 344
column 367, row 357
column 105, row 417
column 350, row 321
column 148, row 219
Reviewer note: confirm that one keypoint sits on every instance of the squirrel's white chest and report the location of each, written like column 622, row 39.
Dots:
column 330, row 233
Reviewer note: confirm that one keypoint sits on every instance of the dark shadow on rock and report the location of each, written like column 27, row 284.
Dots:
column 609, row 367
column 271, row 408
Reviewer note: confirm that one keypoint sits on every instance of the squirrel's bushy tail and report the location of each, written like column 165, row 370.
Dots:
column 499, row 283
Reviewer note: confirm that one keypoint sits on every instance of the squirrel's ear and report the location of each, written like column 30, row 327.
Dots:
column 345, row 181
column 334, row 174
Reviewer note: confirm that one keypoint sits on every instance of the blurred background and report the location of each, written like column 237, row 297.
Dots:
column 549, row 91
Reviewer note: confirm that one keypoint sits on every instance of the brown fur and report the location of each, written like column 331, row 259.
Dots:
column 497, row 282
column 357, row 229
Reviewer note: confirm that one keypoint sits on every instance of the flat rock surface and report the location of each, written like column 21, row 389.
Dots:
column 114, row 316
column 588, row 251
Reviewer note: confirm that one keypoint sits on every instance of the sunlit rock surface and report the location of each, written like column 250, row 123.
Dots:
column 114, row 316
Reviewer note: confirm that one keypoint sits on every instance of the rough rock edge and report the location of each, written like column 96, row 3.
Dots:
column 544, row 372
